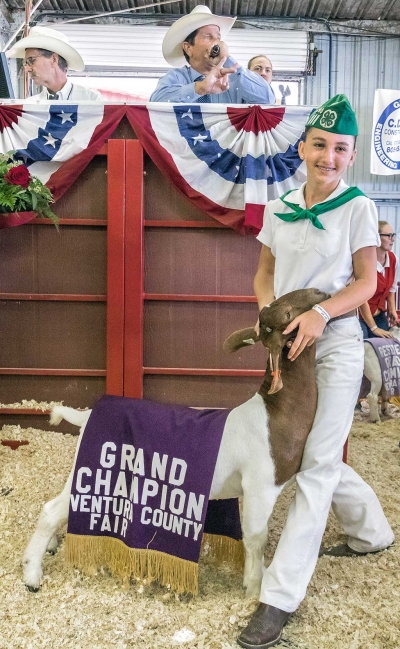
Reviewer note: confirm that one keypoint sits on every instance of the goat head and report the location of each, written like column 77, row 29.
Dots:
column 273, row 321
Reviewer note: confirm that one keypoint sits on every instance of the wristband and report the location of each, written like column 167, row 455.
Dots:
column 319, row 309
column 373, row 328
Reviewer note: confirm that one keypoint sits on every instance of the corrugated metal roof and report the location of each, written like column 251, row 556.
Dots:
column 312, row 9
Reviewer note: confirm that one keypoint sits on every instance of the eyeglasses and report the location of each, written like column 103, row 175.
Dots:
column 391, row 236
column 30, row 61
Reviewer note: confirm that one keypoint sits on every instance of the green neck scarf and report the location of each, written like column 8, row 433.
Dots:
column 314, row 212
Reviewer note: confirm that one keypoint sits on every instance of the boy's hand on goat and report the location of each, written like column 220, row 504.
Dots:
column 311, row 326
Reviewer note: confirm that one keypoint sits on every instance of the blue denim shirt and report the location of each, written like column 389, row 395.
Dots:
column 245, row 87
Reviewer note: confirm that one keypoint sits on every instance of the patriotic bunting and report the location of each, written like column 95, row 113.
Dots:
column 228, row 160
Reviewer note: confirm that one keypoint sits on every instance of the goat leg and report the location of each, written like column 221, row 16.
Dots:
column 258, row 503
column 54, row 514
column 52, row 545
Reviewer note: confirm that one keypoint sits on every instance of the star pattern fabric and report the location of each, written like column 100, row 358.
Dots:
column 230, row 161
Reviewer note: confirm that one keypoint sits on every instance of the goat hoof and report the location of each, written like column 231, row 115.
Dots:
column 253, row 590
column 32, row 577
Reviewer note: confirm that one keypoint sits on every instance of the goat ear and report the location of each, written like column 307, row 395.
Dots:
column 241, row 338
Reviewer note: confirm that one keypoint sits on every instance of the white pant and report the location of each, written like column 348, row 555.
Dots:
column 323, row 478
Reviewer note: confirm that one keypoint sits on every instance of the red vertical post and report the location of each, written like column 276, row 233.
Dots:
column 115, row 267
column 134, row 273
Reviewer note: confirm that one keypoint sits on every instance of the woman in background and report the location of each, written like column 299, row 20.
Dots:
column 379, row 313
column 261, row 65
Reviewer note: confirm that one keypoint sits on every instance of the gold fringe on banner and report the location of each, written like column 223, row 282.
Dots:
column 89, row 553
column 224, row 548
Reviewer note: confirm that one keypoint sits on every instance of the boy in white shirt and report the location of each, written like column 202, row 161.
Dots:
column 323, row 235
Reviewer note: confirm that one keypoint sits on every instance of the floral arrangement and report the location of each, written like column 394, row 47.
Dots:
column 21, row 192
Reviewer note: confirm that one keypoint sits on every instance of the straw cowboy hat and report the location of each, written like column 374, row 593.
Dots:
column 48, row 39
column 179, row 31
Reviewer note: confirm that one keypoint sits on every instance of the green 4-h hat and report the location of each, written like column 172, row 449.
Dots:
column 336, row 116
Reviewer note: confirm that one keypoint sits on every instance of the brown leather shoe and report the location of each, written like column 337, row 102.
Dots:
column 344, row 550
column 264, row 629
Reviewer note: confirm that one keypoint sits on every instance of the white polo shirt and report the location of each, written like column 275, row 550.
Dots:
column 70, row 92
column 306, row 257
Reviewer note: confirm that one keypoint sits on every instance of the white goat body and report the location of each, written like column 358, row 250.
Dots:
column 257, row 456
column 236, row 474
column 372, row 371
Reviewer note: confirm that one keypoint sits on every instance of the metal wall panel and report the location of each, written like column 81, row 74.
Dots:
column 360, row 65
column 139, row 46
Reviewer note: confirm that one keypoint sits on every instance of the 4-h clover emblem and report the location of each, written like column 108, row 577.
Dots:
column 328, row 119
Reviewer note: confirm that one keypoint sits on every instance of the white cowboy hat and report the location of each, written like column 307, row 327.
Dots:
column 48, row 39
column 175, row 36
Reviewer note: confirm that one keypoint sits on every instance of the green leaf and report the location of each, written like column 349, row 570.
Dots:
column 34, row 200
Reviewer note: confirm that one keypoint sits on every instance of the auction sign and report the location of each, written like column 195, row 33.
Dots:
column 385, row 148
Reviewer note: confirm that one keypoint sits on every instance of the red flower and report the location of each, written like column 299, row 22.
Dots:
column 18, row 176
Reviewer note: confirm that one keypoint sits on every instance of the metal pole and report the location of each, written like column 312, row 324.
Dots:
column 21, row 27
column 28, row 10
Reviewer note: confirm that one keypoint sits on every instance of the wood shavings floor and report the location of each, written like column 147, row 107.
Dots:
column 350, row 604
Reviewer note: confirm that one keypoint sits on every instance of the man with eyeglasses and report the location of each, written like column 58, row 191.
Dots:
column 379, row 313
column 47, row 56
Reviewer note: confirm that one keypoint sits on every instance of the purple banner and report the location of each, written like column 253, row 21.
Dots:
column 388, row 353
column 144, row 473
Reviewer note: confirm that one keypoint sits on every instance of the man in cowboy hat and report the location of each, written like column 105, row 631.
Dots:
column 209, row 74
column 47, row 56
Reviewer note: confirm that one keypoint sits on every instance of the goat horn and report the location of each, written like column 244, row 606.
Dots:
column 241, row 338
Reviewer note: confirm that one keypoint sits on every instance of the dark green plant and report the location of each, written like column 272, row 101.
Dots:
column 21, row 192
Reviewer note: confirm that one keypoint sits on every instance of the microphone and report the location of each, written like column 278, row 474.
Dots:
column 214, row 51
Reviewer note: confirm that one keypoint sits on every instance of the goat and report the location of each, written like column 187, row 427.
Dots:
column 373, row 373
column 261, row 447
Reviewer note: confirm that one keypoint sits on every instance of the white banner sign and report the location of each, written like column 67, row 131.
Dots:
column 385, row 146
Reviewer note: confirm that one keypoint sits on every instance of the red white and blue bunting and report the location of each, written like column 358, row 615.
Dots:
column 228, row 160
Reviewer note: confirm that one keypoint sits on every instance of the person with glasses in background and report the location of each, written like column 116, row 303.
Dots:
column 47, row 56
column 379, row 313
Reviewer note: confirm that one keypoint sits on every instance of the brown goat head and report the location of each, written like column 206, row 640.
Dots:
column 273, row 321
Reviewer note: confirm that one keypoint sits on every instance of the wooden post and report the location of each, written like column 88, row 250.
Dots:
column 134, row 282
column 115, row 267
